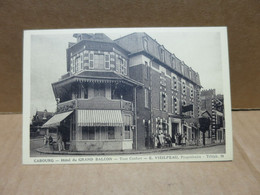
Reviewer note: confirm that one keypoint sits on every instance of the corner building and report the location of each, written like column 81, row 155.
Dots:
column 117, row 94
column 169, row 100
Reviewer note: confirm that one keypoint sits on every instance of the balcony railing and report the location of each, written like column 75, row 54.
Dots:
column 95, row 103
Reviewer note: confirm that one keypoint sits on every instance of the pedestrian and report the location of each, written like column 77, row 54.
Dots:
column 161, row 139
column 45, row 140
column 59, row 142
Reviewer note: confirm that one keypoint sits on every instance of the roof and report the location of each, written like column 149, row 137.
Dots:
column 93, row 37
column 97, row 75
column 134, row 43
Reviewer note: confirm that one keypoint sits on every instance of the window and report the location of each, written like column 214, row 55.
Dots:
column 88, row 133
column 174, row 83
column 111, row 133
column 183, row 83
column 191, row 91
column 182, row 69
column 173, row 62
column 175, row 106
column 99, row 89
column 99, row 61
column 146, row 44
column 78, row 64
column 146, row 72
column 91, row 60
column 163, row 101
column 146, row 98
column 127, row 132
column 162, row 55
column 81, row 61
column 163, row 79
column 107, row 61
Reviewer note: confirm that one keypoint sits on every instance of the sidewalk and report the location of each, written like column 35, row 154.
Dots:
column 47, row 150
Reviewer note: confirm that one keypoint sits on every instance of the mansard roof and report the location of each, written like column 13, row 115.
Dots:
column 93, row 37
column 134, row 43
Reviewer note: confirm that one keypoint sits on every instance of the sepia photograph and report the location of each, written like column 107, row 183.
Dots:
column 126, row 95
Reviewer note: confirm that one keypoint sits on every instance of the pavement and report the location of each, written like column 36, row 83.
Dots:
column 48, row 150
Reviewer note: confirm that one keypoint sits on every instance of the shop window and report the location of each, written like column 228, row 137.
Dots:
column 127, row 132
column 88, row 133
column 111, row 133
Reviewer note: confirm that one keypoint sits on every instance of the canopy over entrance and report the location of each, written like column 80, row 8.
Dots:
column 56, row 119
column 100, row 118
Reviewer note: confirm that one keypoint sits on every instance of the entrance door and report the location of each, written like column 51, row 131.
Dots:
column 174, row 129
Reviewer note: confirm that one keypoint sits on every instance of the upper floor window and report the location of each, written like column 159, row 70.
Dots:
column 182, row 69
column 146, row 72
column 122, row 66
column 174, row 83
column 163, row 79
column 191, row 91
column 145, row 44
column 175, row 105
column 173, row 62
column 163, row 101
column 146, row 98
column 91, row 60
column 162, row 54
column 107, row 61
column 183, row 84
column 99, row 61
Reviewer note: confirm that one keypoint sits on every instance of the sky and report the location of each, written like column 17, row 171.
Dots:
column 199, row 49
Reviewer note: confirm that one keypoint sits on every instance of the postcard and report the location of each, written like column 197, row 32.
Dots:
column 126, row 95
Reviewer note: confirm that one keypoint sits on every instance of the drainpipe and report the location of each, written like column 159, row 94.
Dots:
column 135, row 119
column 151, row 110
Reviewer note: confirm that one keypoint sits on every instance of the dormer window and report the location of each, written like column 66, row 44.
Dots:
column 146, row 44
column 173, row 62
column 162, row 53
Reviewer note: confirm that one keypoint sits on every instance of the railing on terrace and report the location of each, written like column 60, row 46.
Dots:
column 95, row 103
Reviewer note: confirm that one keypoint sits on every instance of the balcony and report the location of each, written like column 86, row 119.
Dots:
column 97, row 103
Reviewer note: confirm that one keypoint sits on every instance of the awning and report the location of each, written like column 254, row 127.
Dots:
column 56, row 119
column 100, row 118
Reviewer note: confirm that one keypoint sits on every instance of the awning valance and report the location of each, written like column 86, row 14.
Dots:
column 56, row 119
column 100, row 118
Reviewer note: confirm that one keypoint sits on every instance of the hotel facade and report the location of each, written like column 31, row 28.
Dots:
column 119, row 94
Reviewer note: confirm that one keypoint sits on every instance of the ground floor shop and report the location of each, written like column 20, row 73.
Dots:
column 92, row 130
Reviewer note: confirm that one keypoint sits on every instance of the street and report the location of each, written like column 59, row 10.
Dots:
column 218, row 149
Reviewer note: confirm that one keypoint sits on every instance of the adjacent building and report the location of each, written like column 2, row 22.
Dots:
column 214, row 105
column 118, row 94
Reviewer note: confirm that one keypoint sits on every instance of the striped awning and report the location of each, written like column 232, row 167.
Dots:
column 56, row 119
column 100, row 118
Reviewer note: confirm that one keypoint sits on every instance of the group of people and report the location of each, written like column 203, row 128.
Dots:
column 162, row 140
column 48, row 140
